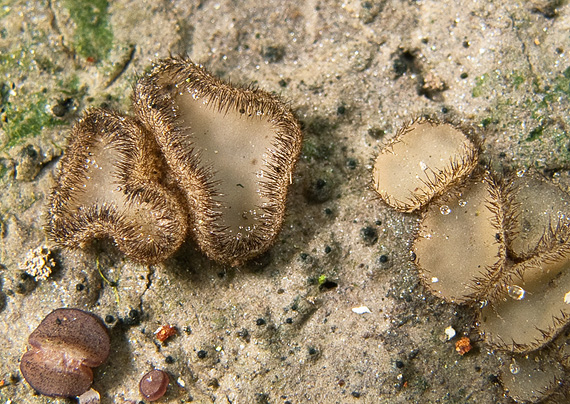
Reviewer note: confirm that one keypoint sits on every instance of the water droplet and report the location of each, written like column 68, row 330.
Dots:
column 445, row 210
column 514, row 367
column 461, row 202
column 516, row 292
column 520, row 173
column 434, row 280
column 423, row 166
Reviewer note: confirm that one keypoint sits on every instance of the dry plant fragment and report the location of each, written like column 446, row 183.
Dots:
column 110, row 184
column 422, row 162
column 232, row 151
column 457, row 242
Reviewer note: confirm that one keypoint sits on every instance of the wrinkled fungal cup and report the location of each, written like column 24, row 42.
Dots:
column 232, row 151
column 111, row 184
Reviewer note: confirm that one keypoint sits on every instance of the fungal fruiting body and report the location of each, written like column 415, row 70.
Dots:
column 423, row 160
column 199, row 157
column 110, row 185
column 533, row 300
column 500, row 243
column 64, row 348
column 153, row 385
column 232, row 151
column 457, row 242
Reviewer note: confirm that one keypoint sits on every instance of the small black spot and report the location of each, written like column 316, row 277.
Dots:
column 62, row 107
column 376, row 133
column 260, row 321
column 466, row 44
column 289, row 320
column 464, row 75
column 202, row 354
column 25, row 276
column 79, row 287
column 169, row 359
column 134, row 318
column 494, row 379
column 328, row 249
column 58, row 321
column 355, row 394
column 341, row 110
column 351, row 163
column 502, row 155
column 444, row 110
column 369, row 235
column 312, row 351
column 405, row 61
column 399, row 364
column 413, row 353
column 304, row 256
column 318, row 190
column 328, row 285
column 273, row 54
column 282, row 83
column 109, row 319
column 383, row 259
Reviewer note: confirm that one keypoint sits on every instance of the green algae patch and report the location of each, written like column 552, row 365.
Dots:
column 25, row 120
column 93, row 37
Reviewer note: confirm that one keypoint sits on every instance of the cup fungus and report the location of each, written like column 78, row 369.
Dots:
column 111, row 184
column 200, row 155
column 424, row 159
column 501, row 244
column 64, row 348
column 457, row 244
column 153, row 385
column 232, row 151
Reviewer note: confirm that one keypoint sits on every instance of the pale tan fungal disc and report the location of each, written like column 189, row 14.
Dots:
column 457, row 242
column 529, row 378
column 110, row 185
column 422, row 162
column 232, row 151
column 534, row 304
column 537, row 205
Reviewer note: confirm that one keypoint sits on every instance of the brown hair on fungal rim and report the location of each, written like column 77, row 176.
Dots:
column 109, row 185
column 422, row 162
column 232, row 151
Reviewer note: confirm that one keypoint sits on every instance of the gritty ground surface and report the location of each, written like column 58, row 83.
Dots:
column 280, row 329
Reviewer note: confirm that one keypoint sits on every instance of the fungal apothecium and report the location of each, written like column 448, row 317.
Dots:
column 501, row 244
column 200, row 157
column 63, row 349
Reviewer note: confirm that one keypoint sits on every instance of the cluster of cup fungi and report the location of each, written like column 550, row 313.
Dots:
column 500, row 243
column 150, row 180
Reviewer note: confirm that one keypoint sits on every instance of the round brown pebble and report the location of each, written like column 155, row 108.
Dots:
column 153, row 384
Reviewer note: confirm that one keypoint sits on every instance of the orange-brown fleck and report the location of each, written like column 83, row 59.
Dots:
column 164, row 332
column 463, row 345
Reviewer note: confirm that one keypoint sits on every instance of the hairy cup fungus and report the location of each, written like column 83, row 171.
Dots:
column 200, row 157
column 421, row 162
column 533, row 304
column 111, row 184
column 64, row 348
column 232, row 151
column 457, row 243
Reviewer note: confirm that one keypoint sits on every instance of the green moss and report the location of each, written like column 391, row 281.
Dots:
column 93, row 36
column 25, row 120
column 480, row 84
column 535, row 133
